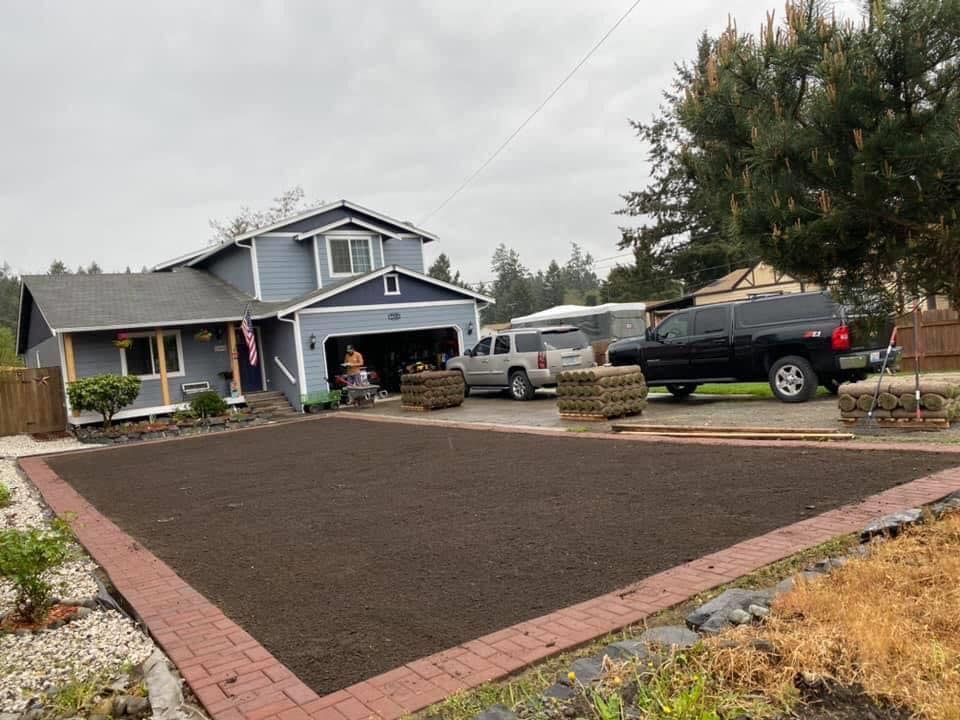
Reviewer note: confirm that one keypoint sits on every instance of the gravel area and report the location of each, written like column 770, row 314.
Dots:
column 22, row 445
column 97, row 646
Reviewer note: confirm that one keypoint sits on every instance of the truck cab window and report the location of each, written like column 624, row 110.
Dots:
column 710, row 321
column 674, row 327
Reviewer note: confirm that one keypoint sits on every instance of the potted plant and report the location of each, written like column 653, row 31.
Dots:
column 123, row 341
column 203, row 335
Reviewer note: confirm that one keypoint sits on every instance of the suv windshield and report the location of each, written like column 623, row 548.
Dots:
column 564, row 340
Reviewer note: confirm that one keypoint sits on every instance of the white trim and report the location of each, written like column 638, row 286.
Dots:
column 23, row 287
column 87, row 418
column 323, row 343
column 423, row 255
column 278, row 235
column 377, row 273
column 383, row 259
column 298, row 346
column 283, row 369
column 63, row 373
column 38, row 358
column 254, row 265
column 153, row 335
column 386, row 284
column 180, row 259
column 383, row 306
column 316, row 263
column 349, row 220
column 349, row 237
column 160, row 323
column 476, row 320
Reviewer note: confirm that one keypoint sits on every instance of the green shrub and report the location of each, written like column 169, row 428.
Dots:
column 5, row 495
column 25, row 555
column 105, row 394
column 208, row 404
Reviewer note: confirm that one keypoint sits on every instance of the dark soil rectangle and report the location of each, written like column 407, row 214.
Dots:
column 349, row 547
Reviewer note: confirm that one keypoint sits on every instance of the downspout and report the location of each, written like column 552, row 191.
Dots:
column 298, row 347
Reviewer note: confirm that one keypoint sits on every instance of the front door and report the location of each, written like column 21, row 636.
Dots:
column 251, row 376
column 668, row 356
column 478, row 364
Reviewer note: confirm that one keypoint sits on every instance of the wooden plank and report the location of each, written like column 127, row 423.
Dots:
column 31, row 401
column 832, row 435
column 766, row 430
column 234, row 358
column 162, row 360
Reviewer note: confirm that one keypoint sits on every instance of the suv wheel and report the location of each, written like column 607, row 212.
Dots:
column 681, row 391
column 793, row 379
column 520, row 386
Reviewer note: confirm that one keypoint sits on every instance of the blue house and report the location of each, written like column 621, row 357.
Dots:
column 313, row 283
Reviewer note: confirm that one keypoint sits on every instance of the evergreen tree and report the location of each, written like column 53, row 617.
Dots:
column 440, row 270
column 58, row 267
column 578, row 274
column 554, row 286
column 9, row 297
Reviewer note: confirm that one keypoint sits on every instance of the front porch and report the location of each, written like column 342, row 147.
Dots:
column 174, row 364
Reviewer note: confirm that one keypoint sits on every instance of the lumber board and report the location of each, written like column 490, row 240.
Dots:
column 766, row 430
column 720, row 435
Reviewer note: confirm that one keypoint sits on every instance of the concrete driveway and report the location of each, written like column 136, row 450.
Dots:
column 662, row 409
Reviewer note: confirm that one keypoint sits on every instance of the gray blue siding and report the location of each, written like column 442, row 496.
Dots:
column 373, row 292
column 376, row 321
column 286, row 267
column 44, row 354
column 95, row 354
column 38, row 330
column 278, row 341
column 405, row 252
column 233, row 266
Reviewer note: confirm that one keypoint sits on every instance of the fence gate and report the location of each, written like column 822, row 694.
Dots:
column 939, row 340
column 31, row 401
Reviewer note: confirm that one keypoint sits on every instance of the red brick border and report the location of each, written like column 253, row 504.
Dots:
column 236, row 678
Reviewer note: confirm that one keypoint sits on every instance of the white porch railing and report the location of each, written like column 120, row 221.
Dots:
column 283, row 369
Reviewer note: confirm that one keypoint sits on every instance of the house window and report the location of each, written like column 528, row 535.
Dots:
column 391, row 284
column 142, row 358
column 350, row 256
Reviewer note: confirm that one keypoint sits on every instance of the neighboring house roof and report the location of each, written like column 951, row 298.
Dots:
column 72, row 303
column 726, row 283
column 399, row 227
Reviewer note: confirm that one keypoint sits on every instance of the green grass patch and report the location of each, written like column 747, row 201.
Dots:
column 671, row 683
column 6, row 497
column 753, row 389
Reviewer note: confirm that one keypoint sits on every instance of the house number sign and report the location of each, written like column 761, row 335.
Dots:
column 393, row 316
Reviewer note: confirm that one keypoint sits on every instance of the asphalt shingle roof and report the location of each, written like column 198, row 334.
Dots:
column 137, row 299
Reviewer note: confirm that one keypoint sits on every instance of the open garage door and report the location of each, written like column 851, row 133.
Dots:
column 388, row 353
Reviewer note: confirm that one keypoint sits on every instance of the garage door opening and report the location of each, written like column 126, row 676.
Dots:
column 389, row 353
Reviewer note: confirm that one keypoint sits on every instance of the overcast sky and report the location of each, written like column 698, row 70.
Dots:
column 125, row 126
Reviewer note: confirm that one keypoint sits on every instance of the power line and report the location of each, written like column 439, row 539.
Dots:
column 532, row 115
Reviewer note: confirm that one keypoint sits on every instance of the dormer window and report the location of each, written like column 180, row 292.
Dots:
column 350, row 255
column 391, row 284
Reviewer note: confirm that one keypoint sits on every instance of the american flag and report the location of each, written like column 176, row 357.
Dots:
column 246, row 325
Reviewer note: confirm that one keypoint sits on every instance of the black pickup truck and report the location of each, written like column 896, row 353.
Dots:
column 795, row 342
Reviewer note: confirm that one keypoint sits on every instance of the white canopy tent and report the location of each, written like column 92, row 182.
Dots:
column 598, row 322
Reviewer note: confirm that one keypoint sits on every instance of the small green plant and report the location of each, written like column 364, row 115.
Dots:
column 104, row 394
column 184, row 415
column 73, row 698
column 6, row 497
column 607, row 706
column 25, row 556
column 208, row 404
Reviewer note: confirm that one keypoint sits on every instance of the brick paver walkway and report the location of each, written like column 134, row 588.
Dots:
column 236, row 678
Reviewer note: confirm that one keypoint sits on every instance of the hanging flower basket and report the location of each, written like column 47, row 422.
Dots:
column 122, row 342
column 203, row 336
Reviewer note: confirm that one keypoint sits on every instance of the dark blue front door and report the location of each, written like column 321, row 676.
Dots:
column 251, row 379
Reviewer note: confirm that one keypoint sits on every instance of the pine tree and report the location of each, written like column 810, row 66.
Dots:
column 440, row 270
column 58, row 267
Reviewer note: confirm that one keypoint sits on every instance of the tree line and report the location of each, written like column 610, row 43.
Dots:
column 827, row 147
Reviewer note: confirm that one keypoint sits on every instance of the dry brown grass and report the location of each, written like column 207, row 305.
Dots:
column 889, row 623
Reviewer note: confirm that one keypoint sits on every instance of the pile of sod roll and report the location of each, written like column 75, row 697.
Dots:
column 432, row 390
column 939, row 398
column 607, row 392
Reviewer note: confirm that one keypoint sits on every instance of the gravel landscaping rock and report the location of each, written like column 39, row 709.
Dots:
column 92, row 647
column 496, row 712
column 740, row 617
column 890, row 525
column 14, row 446
column 559, row 691
column 758, row 611
column 670, row 636
column 951, row 503
column 587, row 670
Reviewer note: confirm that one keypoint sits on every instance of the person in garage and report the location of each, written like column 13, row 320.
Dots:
column 353, row 364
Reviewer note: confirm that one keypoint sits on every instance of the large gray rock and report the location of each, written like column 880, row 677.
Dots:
column 497, row 712
column 559, row 691
column 587, row 670
column 951, row 503
column 716, row 623
column 670, row 636
column 729, row 600
column 740, row 617
column 164, row 690
column 891, row 525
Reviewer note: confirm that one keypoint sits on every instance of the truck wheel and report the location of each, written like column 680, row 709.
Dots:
column 520, row 386
column 793, row 379
column 681, row 391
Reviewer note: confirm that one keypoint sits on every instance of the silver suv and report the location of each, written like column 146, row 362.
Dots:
column 523, row 359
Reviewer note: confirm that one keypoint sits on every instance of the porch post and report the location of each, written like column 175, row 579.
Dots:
column 234, row 359
column 162, row 360
column 70, row 361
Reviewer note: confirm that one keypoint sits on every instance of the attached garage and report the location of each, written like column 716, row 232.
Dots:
column 412, row 318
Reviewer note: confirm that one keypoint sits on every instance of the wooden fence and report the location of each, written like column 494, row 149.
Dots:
column 939, row 340
column 31, row 401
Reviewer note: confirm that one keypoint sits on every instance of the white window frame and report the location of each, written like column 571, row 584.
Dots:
column 348, row 237
column 386, row 284
column 155, row 376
